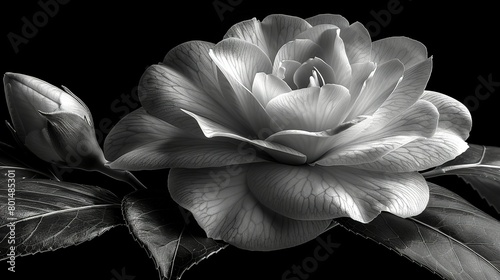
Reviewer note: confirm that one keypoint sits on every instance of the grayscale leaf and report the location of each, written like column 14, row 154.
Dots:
column 451, row 237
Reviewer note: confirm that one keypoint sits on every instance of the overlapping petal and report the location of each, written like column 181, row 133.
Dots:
column 141, row 141
column 187, row 80
column 419, row 121
column 310, row 109
column 288, row 123
column 377, row 88
column 239, row 62
column 318, row 193
column 298, row 50
column 266, row 87
column 407, row 50
column 407, row 92
column 333, row 19
column 454, row 125
column 454, row 117
column 271, row 34
column 279, row 152
column 357, row 41
column 222, row 204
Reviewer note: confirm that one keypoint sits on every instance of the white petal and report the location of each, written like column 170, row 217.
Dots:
column 453, row 115
column 360, row 73
column 407, row 92
column 378, row 87
column 407, row 50
column 311, row 144
column 267, row 86
column 286, row 72
column 419, row 121
column 310, row 109
column 334, row 19
column 140, row 141
column 336, row 56
column 240, row 61
column 224, row 207
column 358, row 43
column 448, row 142
column 279, row 152
column 317, row 193
column 187, row 79
column 164, row 91
column 270, row 34
column 324, row 72
column 420, row 154
column 299, row 50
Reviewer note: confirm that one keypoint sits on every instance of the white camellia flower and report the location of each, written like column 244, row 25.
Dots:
column 287, row 124
column 53, row 124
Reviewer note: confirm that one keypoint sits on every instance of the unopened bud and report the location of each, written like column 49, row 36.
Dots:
column 52, row 123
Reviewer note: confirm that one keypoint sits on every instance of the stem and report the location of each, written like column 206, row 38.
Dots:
column 122, row 175
column 434, row 173
column 438, row 171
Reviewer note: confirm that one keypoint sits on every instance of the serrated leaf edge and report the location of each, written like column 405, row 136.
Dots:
column 392, row 250
column 67, row 246
column 150, row 254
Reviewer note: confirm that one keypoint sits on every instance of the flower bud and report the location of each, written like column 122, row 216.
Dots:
column 52, row 123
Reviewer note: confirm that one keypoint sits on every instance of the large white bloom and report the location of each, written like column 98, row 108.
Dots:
column 287, row 124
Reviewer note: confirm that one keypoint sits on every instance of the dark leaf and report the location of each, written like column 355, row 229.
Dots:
column 480, row 167
column 451, row 237
column 46, row 215
column 174, row 241
column 26, row 166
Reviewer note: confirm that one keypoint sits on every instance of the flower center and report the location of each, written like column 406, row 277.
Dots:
column 316, row 80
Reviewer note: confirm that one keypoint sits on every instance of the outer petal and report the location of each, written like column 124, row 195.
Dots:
column 357, row 41
column 409, row 51
column 407, row 92
column 419, row 121
column 311, row 193
column 143, row 142
column 454, row 117
column 447, row 143
column 314, row 33
column 277, row 151
column 187, row 80
column 334, row 19
column 224, row 207
column 239, row 62
column 316, row 144
column 420, row 154
column 270, row 34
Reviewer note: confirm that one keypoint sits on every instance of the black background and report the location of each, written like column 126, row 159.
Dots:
column 99, row 51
